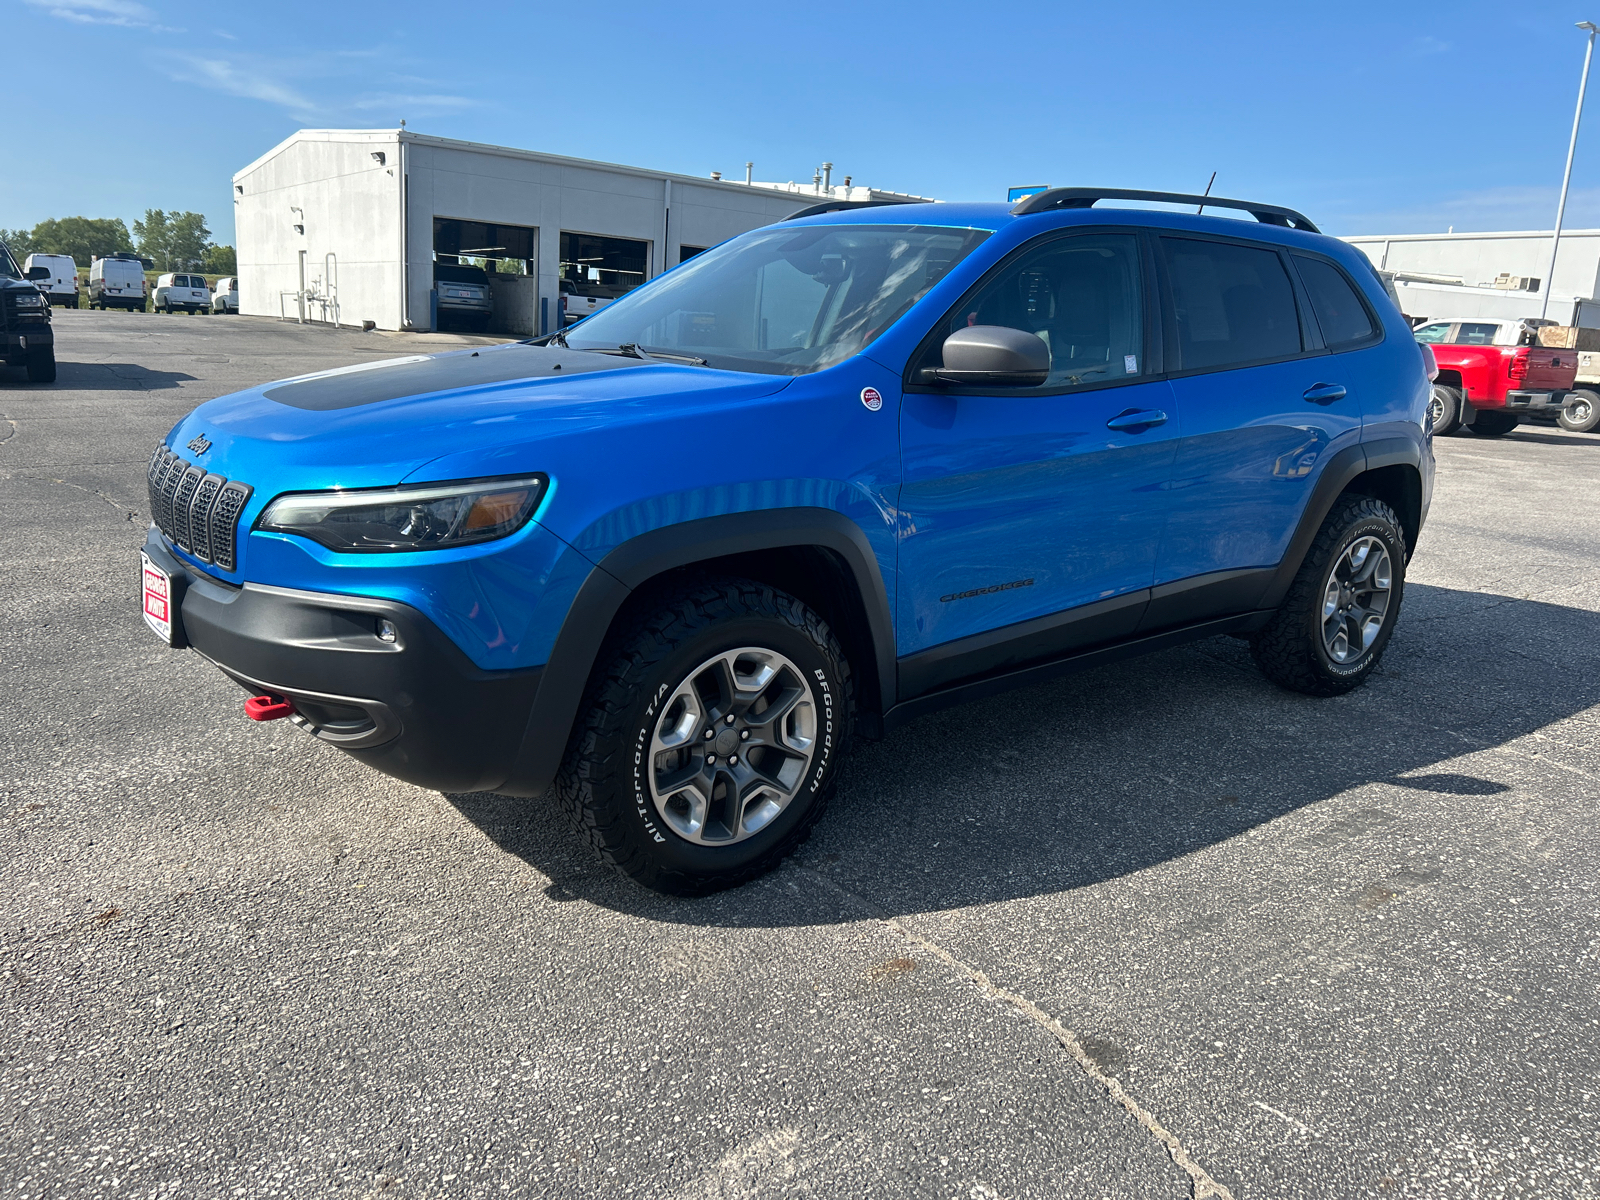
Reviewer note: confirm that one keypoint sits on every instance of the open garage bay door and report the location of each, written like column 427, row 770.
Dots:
column 485, row 276
column 595, row 270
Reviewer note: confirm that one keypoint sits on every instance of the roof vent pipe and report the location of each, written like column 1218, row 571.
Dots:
column 816, row 181
column 847, row 181
column 749, row 173
column 827, row 177
column 716, row 174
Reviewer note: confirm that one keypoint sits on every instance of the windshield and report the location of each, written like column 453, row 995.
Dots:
column 783, row 301
column 8, row 265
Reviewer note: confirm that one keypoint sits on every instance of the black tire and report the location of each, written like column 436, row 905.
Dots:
column 1292, row 650
column 1493, row 422
column 1581, row 413
column 1444, row 406
column 42, row 365
column 611, row 801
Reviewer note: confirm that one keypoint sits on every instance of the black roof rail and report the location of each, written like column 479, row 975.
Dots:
column 828, row 206
column 1082, row 197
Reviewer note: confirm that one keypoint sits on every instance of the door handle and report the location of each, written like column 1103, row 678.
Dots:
column 1137, row 420
column 1325, row 393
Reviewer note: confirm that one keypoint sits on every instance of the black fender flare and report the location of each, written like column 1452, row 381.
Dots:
column 1343, row 469
column 609, row 584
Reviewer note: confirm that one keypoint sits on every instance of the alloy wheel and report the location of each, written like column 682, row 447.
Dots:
column 733, row 745
column 1435, row 408
column 1356, row 599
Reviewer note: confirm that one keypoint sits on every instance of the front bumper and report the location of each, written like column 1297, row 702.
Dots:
column 34, row 333
column 416, row 708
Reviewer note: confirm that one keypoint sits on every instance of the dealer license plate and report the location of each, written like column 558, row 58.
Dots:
column 157, row 588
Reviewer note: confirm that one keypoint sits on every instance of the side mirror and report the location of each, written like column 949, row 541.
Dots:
column 992, row 356
column 38, row 273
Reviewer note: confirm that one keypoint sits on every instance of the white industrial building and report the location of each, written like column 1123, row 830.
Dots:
column 1499, row 275
column 348, row 226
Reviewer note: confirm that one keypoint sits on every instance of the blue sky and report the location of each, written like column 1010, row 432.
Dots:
column 1371, row 118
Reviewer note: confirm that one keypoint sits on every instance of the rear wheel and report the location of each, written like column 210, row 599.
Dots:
column 710, row 738
column 1493, row 422
column 1444, row 408
column 42, row 365
column 1581, row 414
column 1334, row 623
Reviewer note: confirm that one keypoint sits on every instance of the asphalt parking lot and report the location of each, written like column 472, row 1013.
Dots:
column 1159, row 930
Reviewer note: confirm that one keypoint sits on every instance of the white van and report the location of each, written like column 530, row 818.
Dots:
column 225, row 299
column 117, row 283
column 187, row 292
column 61, row 286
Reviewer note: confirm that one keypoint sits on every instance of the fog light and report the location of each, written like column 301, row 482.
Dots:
column 387, row 632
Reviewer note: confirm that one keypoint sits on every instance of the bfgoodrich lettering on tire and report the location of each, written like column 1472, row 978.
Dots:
column 711, row 735
column 1331, row 629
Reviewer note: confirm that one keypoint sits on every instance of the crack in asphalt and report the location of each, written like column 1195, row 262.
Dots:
column 129, row 513
column 1202, row 1185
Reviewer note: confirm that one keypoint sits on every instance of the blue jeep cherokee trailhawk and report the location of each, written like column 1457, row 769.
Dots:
column 827, row 476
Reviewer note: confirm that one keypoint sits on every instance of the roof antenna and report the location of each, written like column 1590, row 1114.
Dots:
column 1197, row 211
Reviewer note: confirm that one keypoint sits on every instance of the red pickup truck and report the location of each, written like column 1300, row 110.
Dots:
column 1492, row 373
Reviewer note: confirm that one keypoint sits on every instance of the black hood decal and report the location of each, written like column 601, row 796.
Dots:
column 441, row 372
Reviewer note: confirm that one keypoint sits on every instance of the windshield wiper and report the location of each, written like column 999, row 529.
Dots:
column 634, row 350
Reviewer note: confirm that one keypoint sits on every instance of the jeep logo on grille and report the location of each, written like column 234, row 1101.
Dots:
column 199, row 445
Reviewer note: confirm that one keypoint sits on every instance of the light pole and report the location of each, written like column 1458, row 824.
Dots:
column 1566, row 178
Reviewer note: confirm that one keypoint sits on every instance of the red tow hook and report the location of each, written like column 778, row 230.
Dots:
column 268, row 708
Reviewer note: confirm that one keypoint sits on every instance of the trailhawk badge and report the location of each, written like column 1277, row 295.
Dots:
column 872, row 398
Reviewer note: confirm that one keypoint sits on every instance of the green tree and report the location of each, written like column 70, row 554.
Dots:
column 84, row 238
column 220, row 260
column 172, row 240
column 19, row 242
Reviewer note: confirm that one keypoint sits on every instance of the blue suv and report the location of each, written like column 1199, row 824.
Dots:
column 830, row 475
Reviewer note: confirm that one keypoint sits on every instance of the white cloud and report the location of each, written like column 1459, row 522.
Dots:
column 103, row 12
column 254, row 81
column 291, row 85
column 405, row 105
column 1499, row 208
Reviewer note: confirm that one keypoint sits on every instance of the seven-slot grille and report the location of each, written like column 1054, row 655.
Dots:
column 197, row 511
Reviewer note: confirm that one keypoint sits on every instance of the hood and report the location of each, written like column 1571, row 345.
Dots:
column 375, row 424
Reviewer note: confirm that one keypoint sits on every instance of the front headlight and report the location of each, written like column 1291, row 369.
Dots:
column 33, row 301
column 437, row 516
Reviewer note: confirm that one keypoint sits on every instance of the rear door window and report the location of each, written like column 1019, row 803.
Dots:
column 1345, row 321
column 1477, row 333
column 1232, row 304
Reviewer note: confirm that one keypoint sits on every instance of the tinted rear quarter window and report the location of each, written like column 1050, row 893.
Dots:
column 1344, row 319
column 1233, row 304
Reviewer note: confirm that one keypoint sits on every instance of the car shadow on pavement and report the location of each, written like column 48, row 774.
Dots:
column 1552, row 438
column 115, row 377
column 1068, row 784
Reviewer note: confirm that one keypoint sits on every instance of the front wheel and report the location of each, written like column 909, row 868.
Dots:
column 710, row 739
column 1444, row 408
column 1493, row 422
column 42, row 365
column 1331, row 629
column 1581, row 413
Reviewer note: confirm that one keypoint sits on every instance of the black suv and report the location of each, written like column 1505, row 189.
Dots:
column 26, row 338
